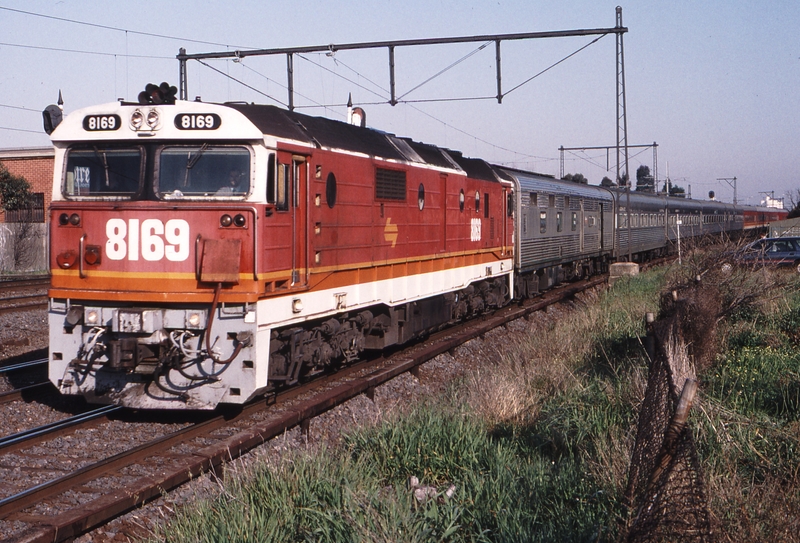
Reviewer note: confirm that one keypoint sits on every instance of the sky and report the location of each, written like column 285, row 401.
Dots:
column 716, row 85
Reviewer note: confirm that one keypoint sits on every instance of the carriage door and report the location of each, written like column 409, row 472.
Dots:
column 602, row 224
column 581, row 227
column 299, row 222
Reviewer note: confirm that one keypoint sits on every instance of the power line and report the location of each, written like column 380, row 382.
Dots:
column 61, row 50
column 117, row 29
column 456, row 63
column 343, row 77
column 22, row 108
column 20, row 130
column 554, row 64
column 241, row 82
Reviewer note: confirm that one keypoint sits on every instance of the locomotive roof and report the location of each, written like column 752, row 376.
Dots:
column 332, row 134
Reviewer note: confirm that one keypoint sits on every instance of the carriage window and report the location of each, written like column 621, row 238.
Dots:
column 574, row 221
column 486, row 205
column 559, row 221
column 477, row 202
column 543, row 222
column 534, row 199
column 282, row 188
column 271, row 179
column 103, row 171
column 203, row 171
column 330, row 190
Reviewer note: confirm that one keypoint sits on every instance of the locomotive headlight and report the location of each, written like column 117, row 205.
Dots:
column 226, row 220
column 153, row 118
column 137, row 119
column 239, row 220
column 74, row 219
column 92, row 316
column 63, row 219
column 194, row 319
column 297, row 305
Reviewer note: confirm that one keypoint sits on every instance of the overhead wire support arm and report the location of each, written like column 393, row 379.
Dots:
column 499, row 73
column 391, row 45
column 393, row 99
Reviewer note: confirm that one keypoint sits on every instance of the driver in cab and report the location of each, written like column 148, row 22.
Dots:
column 233, row 185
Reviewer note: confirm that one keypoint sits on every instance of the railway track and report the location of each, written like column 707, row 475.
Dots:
column 16, row 295
column 72, row 501
column 24, row 392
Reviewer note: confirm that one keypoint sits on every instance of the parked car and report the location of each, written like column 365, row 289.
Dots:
column 767, row 252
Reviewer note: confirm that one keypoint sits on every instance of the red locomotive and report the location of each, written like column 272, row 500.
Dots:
column 205, row 253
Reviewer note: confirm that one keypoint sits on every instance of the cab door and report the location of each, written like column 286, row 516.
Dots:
column 293, row 177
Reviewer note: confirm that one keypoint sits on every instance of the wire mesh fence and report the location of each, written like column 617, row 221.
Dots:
column 666, row 494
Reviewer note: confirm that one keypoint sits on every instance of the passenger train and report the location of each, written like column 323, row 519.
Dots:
column 205, row 254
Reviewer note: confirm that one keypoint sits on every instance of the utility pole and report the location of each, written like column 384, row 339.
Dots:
column 732, row 182
column 622, row 125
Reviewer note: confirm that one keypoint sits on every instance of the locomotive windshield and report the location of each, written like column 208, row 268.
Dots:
column 103, row 171
column 203, row 170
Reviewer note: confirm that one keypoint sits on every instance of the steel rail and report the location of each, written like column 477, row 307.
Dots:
column 23, row 365
column 53, row 428
column 27, row 283
column 26, row 307
column 20, row 393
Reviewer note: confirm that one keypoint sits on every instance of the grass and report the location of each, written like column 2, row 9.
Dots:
column 537, row 439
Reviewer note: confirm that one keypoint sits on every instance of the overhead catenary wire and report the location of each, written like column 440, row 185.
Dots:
column 241, row 82
column 598, row 38
column 78, row 51
column 22, row 108
column 118, row 29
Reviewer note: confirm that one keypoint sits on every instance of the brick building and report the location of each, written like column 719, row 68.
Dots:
column 36, row 166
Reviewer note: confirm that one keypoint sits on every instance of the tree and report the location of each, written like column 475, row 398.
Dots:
column 677, row 192
column 608, row 183
column 15, row 191
column 576, row 178
column 21, row 238
column 794, row 204
column 644, row 181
